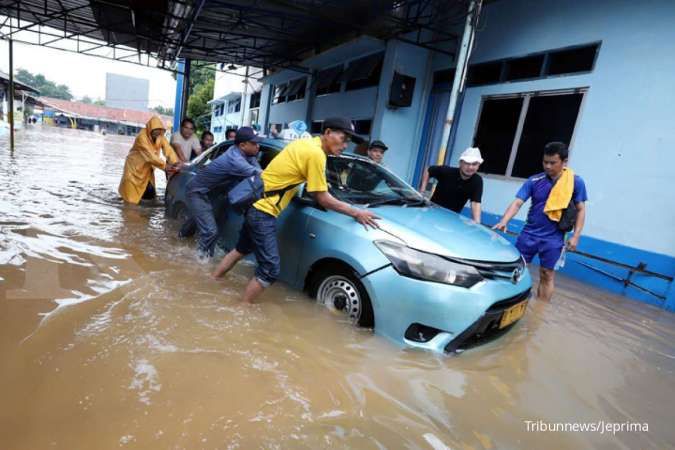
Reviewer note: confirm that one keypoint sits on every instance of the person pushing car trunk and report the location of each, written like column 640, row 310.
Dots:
column 238, row 162
column 301, row 161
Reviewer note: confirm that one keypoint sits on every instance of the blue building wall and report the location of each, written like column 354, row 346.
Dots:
column 623, row 146
column 401, row 128
column 359, row 104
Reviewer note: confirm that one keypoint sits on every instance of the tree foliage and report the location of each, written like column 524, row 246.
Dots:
column 198, row 108
column 46, row 87
column 202, row 80
column 159, row 109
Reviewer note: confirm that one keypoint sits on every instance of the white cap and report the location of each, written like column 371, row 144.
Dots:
column 471, row 155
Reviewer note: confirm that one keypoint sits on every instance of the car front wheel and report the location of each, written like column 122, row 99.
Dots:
column 339, row 290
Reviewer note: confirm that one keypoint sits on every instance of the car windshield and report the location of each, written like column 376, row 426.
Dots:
column 362, row 182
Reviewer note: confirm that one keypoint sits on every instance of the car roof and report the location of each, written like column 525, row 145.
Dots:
column 281, row 143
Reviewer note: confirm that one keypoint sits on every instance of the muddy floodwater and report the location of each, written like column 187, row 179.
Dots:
column 113, row 336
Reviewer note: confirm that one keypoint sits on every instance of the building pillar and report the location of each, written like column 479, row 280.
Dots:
column 10, row 109
column 182, row 92
column 311, row 95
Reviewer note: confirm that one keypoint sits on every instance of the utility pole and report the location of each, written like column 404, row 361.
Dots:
column 10, row 113
column 460, row 74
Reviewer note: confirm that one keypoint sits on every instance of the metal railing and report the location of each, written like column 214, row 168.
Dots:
column 640, row 268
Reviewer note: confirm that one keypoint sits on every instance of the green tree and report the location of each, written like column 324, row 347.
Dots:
column 86, row 99
column 46, row 87
column 99, row 102
column 25, row 76
column 202, row 79
column 200, row 74
column 159, row 109
column 198, row 108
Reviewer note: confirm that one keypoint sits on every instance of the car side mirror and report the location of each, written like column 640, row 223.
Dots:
column 305, row 201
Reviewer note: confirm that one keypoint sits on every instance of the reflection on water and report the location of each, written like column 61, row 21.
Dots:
column 112, row 335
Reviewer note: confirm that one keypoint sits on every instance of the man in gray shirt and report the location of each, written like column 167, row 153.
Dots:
column 185, row 141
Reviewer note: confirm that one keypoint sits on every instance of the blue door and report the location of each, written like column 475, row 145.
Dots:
column 433, row 130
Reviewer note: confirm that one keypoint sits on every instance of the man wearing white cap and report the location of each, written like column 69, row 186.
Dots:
column 457, row 185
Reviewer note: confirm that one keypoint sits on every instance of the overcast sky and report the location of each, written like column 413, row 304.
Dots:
column 85, row 75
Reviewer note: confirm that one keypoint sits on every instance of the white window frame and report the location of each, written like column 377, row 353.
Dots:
column 526, row 96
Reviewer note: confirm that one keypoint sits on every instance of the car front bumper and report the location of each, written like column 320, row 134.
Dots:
column 436, row 316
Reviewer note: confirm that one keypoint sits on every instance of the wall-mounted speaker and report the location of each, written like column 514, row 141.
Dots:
column 401, row 90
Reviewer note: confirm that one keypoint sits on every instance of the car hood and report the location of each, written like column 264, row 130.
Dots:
column 437, row 230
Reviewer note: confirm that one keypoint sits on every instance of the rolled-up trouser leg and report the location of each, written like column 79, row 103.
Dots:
column 259, row 235
column 202, row 212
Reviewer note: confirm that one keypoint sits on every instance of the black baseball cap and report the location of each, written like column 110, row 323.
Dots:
column 246, row 134
column 378, row 144
column 344, row 125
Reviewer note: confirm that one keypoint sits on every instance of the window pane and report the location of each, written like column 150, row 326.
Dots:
column 362, row 126
column 364, row 72
column 316, row 127
column 486, row 73
column 572, row 60
column 444, row 76
column 521, row 68
column 280, row 93
column 328, row 80
column 549, row 118
column 296, row 89
column 495, row 133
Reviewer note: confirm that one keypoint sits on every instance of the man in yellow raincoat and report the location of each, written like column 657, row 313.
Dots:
column 138, row 179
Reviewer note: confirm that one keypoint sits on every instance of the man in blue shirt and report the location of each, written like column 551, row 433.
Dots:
column 237, row 163
column 541, row 235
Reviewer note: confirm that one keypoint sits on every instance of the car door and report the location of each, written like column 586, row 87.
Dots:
column 291, row 225
column 293, row 238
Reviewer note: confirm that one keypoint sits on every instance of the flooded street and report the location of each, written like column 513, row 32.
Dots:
column 113, row 336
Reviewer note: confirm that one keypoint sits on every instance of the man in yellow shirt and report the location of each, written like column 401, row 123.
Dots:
column 301, row 161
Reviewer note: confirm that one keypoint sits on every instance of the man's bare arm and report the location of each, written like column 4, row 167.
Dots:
column 578, row 226
column 362, row 216
column 475, row 211
column 511, row 211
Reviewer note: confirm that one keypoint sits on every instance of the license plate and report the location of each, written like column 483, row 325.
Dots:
column 512, row 314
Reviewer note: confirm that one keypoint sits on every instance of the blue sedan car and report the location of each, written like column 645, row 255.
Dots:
column 428, row 278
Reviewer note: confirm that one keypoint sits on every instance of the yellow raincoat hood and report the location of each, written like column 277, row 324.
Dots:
column 143, row 157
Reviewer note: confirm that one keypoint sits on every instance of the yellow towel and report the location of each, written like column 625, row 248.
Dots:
column 560, row 195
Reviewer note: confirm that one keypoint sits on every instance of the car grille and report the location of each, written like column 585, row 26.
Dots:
column 496, row 270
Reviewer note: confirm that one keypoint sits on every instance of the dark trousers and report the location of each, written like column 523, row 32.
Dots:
column 201, row 211
column 149, row 193
column 259, row 235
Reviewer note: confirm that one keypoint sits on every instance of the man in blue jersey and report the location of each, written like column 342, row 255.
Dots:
column 541, row 234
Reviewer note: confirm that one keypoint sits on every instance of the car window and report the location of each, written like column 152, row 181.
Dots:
column 211, row 154
column 220, row 149
column 362, row 182
column 266, row 155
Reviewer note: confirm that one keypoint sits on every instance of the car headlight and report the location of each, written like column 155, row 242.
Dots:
column 427, row 266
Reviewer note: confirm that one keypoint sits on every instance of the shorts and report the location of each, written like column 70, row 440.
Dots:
column 259, row 235
column 549, row 250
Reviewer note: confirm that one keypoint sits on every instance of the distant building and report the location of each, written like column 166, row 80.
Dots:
column 126, row 92
column 231, row 110
column 23, row 95
column 85, row 116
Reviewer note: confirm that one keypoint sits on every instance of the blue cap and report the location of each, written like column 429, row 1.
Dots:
column 246, row 134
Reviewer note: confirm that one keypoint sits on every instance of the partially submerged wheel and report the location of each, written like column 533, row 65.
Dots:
column 342, row 293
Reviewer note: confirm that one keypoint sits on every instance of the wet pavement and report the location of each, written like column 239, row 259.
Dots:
column 113, row 336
